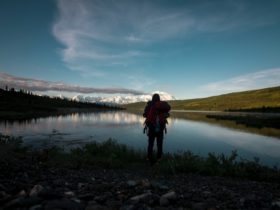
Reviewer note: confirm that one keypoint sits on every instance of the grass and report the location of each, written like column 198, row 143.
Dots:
column 110, row 154
column 219, row 165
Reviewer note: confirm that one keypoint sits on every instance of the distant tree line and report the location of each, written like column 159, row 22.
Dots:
column 24, row 100
column 14, row 90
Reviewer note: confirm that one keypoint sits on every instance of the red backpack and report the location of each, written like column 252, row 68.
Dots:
column 158, row 110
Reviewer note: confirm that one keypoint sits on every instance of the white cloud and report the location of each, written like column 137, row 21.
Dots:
column 89, row 31
column 251, row 81
column 42, row 85
column 98, row 32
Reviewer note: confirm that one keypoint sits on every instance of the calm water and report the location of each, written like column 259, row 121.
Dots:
column 200, row 138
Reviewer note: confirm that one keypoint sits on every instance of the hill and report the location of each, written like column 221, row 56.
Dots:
column 255, row 100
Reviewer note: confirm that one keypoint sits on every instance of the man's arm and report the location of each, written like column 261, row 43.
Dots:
column 147, row 109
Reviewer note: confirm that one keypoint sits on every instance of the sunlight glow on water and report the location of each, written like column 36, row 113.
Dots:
column 200, row 138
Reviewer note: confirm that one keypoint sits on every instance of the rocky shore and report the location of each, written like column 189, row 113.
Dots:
column 33, row 188
column 111, row 176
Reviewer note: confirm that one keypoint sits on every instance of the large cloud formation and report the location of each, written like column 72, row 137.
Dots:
column 97, row 33
column 42, row 85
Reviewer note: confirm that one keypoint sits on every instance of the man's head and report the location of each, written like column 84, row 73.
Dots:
column 155, row 98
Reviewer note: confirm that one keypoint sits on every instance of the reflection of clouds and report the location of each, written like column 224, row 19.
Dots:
column 118, row 117
column 110, row 118
column 74, row 117
column 72, row 122
column 112, row 125
column 84, row 127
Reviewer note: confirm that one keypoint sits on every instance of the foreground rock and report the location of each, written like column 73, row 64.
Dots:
column 98, row 189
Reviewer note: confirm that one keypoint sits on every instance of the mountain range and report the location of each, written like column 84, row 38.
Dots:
column 122, row 99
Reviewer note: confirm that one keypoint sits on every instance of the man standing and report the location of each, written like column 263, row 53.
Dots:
column 156, row 112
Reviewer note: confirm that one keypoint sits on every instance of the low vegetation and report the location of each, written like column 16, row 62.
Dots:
column 110, row 154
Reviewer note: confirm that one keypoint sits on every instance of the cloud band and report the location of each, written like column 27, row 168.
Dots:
column 42, row 85
column 256, row 80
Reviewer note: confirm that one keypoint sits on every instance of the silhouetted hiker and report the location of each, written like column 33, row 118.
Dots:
column 156, row 112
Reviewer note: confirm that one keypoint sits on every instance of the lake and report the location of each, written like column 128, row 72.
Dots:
column 127, row 128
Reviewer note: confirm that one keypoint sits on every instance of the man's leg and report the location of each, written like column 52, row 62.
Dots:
column 159, row 144
column 151, row 146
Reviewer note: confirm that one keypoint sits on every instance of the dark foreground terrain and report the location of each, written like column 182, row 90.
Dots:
column 43, row 179
column 58, row 188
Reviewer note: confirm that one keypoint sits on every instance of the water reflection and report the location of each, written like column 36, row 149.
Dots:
column 202, row 117
column 202, row 138
column 183, row 134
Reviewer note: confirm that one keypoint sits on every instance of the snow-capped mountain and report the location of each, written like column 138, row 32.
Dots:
column 61, row 96
column 123, row 99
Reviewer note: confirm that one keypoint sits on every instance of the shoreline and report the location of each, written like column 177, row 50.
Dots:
column 112, row 176
column 18, row 116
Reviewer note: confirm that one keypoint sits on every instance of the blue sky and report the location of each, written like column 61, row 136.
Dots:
column 188, row 48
